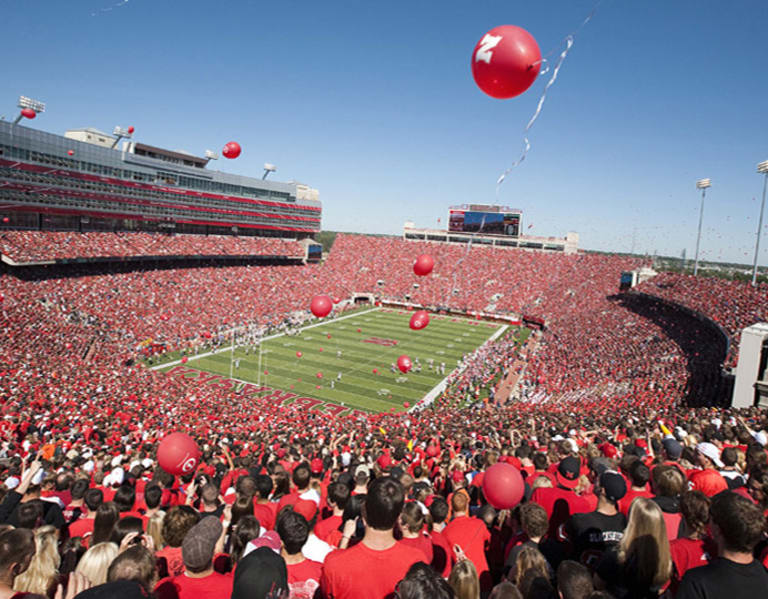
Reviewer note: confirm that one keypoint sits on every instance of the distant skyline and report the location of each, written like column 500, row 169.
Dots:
column 375, row 106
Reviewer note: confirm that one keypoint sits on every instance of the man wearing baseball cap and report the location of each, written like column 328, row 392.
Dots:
column 708, row 480
column 197, row 551
column 561, row 501
column 593, row 533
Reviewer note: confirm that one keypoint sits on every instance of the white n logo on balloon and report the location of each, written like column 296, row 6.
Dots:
column 488, row 43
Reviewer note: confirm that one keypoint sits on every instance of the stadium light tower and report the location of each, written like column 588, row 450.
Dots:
column 29, row 104
column 762, row 168
column 120, row 133
column 701, row 184
column 268, row 168
column 211, row 155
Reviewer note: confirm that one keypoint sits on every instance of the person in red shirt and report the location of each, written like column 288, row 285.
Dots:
column 694, row 548
column 338, row 495
column 83, row 527
column 472, row 536
column 264, row 510
column 561, row 502
column 176, row 524
column 709, row 480
column 303, row 574
column 301, row 476
column 639, row 475
column 443, row 556
column 373, row 567
column 199, row 579
column 412, row 526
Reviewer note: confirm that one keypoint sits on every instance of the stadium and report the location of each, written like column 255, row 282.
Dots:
column 521, row 418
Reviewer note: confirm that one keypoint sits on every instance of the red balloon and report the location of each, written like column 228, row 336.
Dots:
column 321, row 305
column 336, row 300
column 266, row 372
column 68, row 345
column 178, row 454
column 28, row 113
column 131, row 129
column 6, row 219
column 406, row 404
column 328, row 335
column 184, row 360
column 506, row 62
column 71, row 152
column 232, row 150
column 404, row 363
column 419, row 320
column 423, row 265
column 359, row 330
column 321, row 349
column 375, row 371
column 503, row 486
column 299, row 354
column 319, row 375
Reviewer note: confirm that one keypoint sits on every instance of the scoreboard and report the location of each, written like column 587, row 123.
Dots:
column 489, row 220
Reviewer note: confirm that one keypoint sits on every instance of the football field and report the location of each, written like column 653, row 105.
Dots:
column 347, row 361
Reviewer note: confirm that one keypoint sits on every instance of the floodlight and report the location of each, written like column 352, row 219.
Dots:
column 703, row 183
column 268, row 168
column 762, row 167
column 211, row 155
column 25, row 102
column 120, row 133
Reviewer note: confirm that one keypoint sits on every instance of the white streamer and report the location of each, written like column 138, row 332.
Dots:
column 526, row 142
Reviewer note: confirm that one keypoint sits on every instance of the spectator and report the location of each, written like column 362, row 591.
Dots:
column 177, row 523
column 412, row 522
column 136, row 564
column 42, row 575
column 573, row 580
column 198, row 548
column 247, row 529
column 260, row 575
column 104, row 523
column 303, row 574
column 379, row 555
column 708, row 480
column 95, row 562
column 17, row 548
column 471, row 535
column 737, row 526
column 593, row 533
column 464, row 580
column 640, row 566
column 421, row 582
column 694, row 548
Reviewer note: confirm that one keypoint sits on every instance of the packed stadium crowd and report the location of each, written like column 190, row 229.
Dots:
column 627, row 488
column 40, row 246
column 732, row 304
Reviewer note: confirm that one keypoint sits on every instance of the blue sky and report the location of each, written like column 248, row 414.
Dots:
column 374, row 105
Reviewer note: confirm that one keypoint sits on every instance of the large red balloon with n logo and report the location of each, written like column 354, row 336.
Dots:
column 178, row 454
column 506, row 61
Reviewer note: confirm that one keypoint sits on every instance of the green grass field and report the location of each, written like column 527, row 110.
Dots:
column 446, row 339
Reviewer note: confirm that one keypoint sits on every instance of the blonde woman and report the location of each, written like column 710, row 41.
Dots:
column 529, row 562
column 641, row 565
column 94, row 564
column 155, row 529
column 42, row 576
column 464, row 581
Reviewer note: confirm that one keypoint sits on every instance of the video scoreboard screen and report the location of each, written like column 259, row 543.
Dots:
column 490, row 223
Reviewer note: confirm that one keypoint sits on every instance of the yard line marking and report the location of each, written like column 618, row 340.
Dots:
column 276, row 336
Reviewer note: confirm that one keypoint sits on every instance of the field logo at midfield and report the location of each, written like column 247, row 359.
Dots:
column 380, row 341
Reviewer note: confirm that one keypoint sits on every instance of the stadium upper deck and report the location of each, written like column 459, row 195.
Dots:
column 50, row 181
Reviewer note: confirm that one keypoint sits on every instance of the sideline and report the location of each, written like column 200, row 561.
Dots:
column 276, row 336
column 430, row 397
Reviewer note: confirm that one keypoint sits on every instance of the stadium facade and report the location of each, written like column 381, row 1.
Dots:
column 78, row 182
